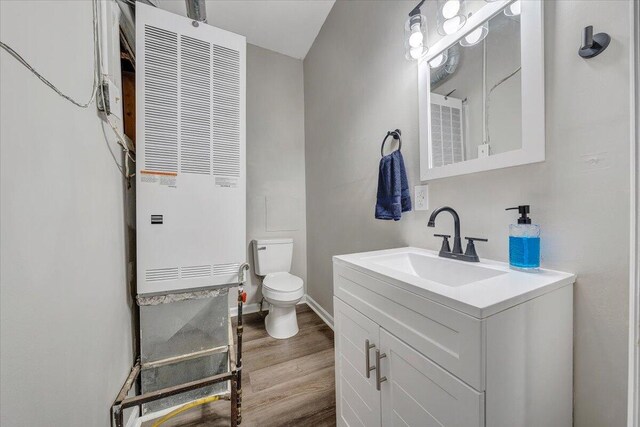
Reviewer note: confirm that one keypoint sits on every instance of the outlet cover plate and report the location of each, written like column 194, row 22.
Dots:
column 422, row 197
column 484, row 150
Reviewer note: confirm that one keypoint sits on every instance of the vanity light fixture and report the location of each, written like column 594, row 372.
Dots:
column 439, row 60
column 514, row 9
column 451, row 16
column 475, row 36
column 415, row 34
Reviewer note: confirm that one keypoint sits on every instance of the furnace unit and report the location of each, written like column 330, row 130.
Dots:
column 190, row 170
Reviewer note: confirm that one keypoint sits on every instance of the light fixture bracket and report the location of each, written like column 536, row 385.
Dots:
column 416, row 10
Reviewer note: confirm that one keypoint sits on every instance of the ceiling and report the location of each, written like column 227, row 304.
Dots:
column 285, row 26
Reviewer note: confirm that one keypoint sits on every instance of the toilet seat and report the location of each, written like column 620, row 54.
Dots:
column 282, row 286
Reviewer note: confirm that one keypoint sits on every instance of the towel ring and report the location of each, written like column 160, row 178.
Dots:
column 396, row 135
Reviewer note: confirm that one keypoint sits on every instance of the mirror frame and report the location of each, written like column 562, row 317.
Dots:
column 532, row 94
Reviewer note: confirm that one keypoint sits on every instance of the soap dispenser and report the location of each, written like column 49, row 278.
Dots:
column 524, row 241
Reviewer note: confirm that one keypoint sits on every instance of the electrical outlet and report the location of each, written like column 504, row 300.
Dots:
column 422, row 197
column 113, row 96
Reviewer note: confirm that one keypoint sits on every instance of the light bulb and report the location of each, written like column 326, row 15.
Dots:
column 475, row 36
column 416, row 52
column 452, row 25
column 416, row 37
column 514, row 9
column 437, row 61
column 450, row 9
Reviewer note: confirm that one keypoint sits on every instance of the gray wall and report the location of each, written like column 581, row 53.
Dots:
column 65, row 310
column 358, row 85
column 275, row 157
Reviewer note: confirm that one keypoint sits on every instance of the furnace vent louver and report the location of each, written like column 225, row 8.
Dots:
column 158, row 274
column 190, row 92
column 195, row 271
column 195, row 120
column 226, row 112
column 224, row 269
column 161, row 100
column 447, row 143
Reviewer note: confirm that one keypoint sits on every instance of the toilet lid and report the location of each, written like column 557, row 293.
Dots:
column 282, row 282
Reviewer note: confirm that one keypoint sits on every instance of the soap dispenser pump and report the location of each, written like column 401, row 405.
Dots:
column 524, row 241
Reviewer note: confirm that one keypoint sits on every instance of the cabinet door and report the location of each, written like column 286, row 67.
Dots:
column 357, row 400
column 417, row 392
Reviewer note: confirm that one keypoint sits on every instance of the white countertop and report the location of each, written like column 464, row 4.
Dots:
column 479, row 299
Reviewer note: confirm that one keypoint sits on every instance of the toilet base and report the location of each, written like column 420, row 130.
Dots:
column 281, row 322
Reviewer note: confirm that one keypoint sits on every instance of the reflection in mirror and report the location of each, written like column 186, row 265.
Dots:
column 476, row 94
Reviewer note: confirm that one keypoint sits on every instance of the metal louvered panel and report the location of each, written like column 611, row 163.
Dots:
column 195, row 271
column 226, row 111
column 195, row 106
column 161, row 100
column 220, row 269
column 158, row 274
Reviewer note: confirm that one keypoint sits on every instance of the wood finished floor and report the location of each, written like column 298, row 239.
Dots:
column 284, row 382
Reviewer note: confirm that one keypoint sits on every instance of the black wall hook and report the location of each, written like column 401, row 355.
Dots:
column 593, row 45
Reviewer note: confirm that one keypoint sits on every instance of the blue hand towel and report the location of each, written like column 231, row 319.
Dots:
column 393, row 188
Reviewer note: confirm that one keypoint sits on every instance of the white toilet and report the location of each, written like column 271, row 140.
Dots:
column 280, row 289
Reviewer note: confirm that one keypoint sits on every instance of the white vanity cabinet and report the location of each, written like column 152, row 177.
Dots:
column 404, row 358
column 357, row 393
column 412, row 391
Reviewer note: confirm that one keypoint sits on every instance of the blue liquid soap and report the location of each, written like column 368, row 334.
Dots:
column 524, row 252
column 524, row 241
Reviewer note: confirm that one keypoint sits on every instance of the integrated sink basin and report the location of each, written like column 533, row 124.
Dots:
column 479, row 289
column 440, row 270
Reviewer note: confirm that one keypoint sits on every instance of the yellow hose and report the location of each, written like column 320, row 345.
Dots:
column 186, row 407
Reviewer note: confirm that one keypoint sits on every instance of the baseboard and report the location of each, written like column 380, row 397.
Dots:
column 246, row 309
column 306, row 299
column 254, row 308
column 321, row 312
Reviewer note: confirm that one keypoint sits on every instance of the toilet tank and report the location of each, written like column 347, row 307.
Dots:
column 272, row 255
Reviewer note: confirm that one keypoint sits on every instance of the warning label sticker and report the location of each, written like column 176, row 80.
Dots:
column 167, row 179
column 222, row 181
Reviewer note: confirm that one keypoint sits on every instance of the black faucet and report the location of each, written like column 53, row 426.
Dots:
column 445, row 252
column 457, row 244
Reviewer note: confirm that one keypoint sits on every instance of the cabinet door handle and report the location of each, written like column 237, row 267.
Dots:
column 367, row 348
column 379, row 379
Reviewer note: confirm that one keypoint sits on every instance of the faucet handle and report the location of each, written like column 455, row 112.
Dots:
column 476, row 239
column 471, row 248
column 445, row 242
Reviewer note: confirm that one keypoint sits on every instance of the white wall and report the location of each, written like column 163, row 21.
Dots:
column 65, row 310
column 275, row 157
column 358, row 85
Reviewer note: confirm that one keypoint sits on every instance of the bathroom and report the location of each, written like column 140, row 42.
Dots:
column 326, row 81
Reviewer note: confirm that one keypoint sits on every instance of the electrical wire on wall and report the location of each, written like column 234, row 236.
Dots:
column 53, row 87
column 127, row 150
column 98, row 80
